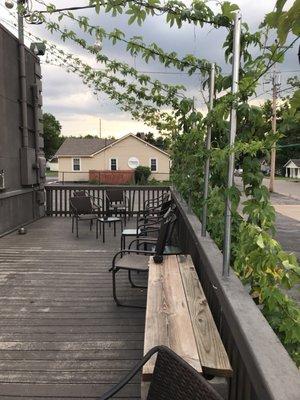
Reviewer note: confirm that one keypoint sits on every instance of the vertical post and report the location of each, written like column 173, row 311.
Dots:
column 22, row 62
column 208, row 146
column 233, row 125
column 273, row 149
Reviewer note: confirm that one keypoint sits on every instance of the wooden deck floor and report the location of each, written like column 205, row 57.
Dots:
column 62, row 336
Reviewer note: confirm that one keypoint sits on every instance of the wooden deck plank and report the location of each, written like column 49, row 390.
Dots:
column 61, row 334
column 213, row 356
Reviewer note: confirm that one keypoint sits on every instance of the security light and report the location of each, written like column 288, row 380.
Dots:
column 39, row 48
column 98, row 45
column 9, row 4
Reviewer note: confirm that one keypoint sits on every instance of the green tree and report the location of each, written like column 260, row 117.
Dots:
column 52, row 135
column 161, row 142
column 288, row 122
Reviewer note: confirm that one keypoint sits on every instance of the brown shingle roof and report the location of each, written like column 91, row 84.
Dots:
column 82, row 147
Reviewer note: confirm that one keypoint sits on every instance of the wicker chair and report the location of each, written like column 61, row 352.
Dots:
column 137, row 260
column 82, row 209
column 172, row 379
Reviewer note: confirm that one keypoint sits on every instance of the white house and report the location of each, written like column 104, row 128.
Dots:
column 292, row 168
column 78, row 156
column 52, row 164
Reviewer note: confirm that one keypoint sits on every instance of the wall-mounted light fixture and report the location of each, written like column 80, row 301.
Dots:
column 39, row 48
column 2, row 180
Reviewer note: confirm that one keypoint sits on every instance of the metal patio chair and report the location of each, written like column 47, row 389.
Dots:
column 82, row 209
column 173, row 379
column 156, row 201
column 147, row 225
column 137, row 260
column 153, row 215
column 117, row 203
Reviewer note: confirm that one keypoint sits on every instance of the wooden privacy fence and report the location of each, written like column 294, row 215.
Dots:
column 58, row 196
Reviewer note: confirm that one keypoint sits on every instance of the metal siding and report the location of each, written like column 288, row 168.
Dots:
column 14, row 210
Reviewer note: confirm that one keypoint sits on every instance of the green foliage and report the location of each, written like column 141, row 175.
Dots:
column 284, row 21
column 161, row 142
column 142, row 174
column 257, row 257
column 52, row 135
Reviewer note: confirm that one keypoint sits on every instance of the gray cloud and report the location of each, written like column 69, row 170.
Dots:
column 66, row 96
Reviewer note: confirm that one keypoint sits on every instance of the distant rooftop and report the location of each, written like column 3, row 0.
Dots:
column 82, row 146
column 296, row 161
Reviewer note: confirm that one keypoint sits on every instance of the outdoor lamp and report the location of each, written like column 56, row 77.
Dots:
column 98, row 45
column 39, row 48
column 9, row 4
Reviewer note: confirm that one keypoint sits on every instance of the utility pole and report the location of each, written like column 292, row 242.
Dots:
column 100, row 127
column 274, row 116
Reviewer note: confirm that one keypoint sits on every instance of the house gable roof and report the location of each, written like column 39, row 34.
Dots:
column 82, row 147
column 295, row 161
column 135, row 137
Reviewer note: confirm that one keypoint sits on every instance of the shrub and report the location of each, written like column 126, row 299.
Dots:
column 142, row 174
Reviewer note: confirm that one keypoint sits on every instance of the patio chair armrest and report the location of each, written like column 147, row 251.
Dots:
column 141, row 242
column 127, row 378
column 144, row 232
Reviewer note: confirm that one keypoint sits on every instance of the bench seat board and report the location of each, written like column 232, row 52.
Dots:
column 212, row 354
column 167, row 317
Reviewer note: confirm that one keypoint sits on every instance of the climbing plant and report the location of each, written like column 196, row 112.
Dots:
column 257, row 258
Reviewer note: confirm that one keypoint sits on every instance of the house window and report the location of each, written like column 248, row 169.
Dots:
column 76, row 164
column 113, row 164
column 153, row 164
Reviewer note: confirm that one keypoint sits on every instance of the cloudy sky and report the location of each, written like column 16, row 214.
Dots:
column 77, row 108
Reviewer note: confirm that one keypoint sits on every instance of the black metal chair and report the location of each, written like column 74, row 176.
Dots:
column 173, row 379
column 156, row 202
column 82, row 209
column 137, row 260
column 117, row 203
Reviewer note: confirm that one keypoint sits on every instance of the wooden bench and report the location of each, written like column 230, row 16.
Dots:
column 179, row 317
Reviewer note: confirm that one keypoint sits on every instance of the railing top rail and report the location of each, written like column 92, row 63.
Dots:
column 271, row 370
column 101, row 187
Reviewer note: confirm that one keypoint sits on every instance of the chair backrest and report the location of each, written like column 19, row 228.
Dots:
column 175, row 379
column 156, row 201
column 115, row 195
column 165, row 206
column 81, row 205
column 166, row 226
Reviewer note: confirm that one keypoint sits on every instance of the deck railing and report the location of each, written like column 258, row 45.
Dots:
column 262, row 368
column 58, row 196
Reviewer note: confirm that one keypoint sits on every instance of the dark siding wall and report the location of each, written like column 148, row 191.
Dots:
column 18, row 204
